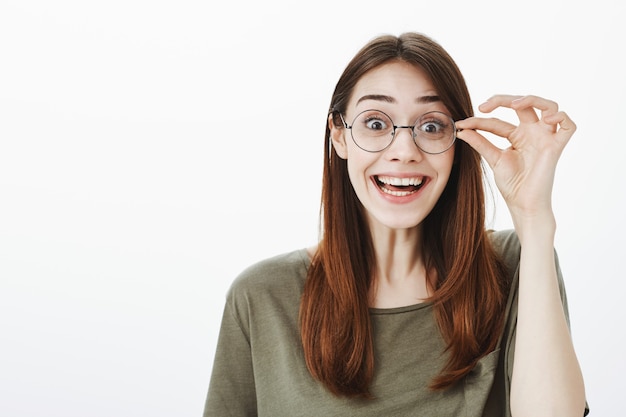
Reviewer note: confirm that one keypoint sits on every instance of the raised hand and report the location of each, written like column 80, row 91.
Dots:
column 524, row 172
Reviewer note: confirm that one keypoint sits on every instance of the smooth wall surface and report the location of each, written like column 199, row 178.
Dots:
column 150, row 151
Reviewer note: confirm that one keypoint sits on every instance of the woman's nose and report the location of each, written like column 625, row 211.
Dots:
column 403, row 147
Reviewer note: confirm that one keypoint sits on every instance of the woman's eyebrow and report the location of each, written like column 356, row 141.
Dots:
column 427, row 99
column 377, row 97
column 389, row 99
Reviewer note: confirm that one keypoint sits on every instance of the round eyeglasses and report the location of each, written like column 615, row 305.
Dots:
column 373, row 131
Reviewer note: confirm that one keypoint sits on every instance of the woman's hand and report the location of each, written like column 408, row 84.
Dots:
column 524, row 172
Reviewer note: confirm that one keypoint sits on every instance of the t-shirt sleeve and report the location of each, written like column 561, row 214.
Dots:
column 231, row 389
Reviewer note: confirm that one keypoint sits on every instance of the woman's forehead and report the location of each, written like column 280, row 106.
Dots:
column 395, row 82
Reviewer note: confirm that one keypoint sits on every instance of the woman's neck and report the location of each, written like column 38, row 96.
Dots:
column 399, row 275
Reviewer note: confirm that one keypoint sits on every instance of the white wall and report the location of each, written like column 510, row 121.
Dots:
column 151, row 150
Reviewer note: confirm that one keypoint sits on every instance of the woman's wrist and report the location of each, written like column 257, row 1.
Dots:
column 536, row 226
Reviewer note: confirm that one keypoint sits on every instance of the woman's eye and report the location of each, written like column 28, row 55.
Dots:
column 435, row 128
column 431, row 127
column 376, row 124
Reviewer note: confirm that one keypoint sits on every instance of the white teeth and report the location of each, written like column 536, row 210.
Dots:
column 397, row 193
column 400, row 181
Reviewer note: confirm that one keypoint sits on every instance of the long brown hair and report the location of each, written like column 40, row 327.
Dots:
column 469, row 294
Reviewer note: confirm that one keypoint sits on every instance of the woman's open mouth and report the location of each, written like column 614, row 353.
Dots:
column 398, row 187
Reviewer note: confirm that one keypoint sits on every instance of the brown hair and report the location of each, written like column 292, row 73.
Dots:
column 469, row 294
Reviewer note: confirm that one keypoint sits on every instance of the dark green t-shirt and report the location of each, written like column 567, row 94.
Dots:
column 259, row 367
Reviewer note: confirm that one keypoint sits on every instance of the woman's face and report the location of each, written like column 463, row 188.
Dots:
column 404, row 92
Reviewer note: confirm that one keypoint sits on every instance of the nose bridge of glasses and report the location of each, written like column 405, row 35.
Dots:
column 410, row 131
column 396, row 137
column 410, row 128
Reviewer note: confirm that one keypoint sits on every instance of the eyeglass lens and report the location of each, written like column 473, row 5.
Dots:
column 373, row 130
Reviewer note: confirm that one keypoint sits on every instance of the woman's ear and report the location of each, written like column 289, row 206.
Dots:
column 337, row 136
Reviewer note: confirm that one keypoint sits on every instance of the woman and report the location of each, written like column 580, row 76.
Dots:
column 408, row 306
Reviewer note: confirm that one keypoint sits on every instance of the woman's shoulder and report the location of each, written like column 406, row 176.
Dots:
column 507, row 245
column 504, row 239
column 284, row 274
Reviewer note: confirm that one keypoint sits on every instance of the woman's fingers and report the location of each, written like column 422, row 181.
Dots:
column 524, row 113
column 524, row 106
column 499, row 100
column 484, row 147
column 544, row 105
column 566, row 126
column 467, row 132
column 496, row 126
column 542, row 127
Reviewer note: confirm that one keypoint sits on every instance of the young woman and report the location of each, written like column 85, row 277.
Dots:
column 408, row 305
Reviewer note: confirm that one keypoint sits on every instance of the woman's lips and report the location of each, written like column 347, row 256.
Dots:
column 399, row 186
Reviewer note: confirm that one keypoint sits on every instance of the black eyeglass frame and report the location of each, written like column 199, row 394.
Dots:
column 395, row 127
